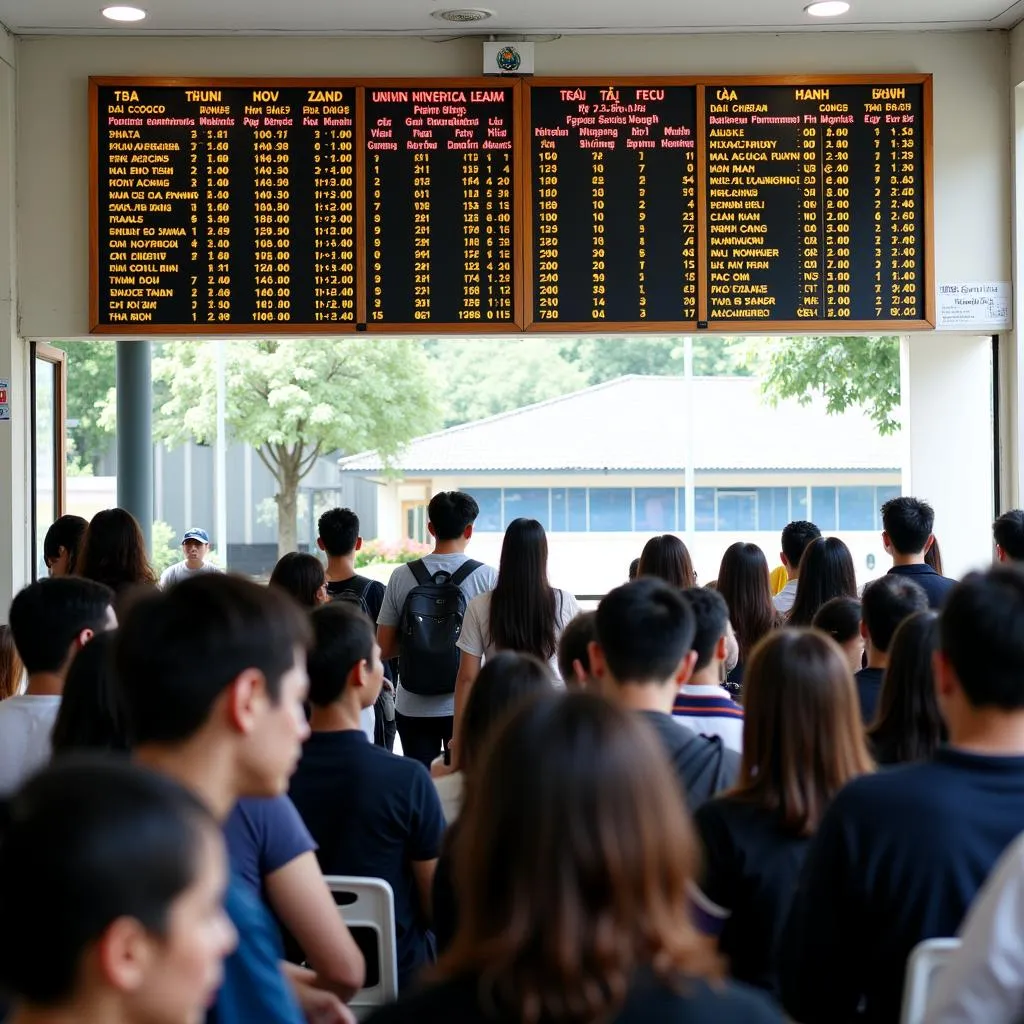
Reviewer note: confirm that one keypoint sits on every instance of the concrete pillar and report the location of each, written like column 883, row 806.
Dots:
column 135, row 433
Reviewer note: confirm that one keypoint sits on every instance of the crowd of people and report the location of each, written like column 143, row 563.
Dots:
column 720, row 803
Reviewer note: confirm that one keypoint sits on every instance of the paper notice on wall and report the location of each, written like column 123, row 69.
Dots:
column 974, row 305
column 5, row 399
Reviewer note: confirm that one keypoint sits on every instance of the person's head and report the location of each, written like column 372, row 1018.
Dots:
column 1008, row 531
column 908, row 726
column 344, row 661
column 803, row 739
column 885, row 603
column 523, row 612
column 933, row 556
column 826, row 571
column 451, row 515
column 574, row 650
column 634, row 568
column 840, row 619
column 907, row 526
column 218, row 661
column 338, row 530
column 574, row 862
column 795, row 538
column 667, row 558
column 11, row 667
column 91, row 715
column 113, row 551
column 711, row 641
column 645, row 634
column 131, row 870
column 61, row 544
column 196, row 546
column 303, row 576
column 505, row 682
column 52, row 619
column 743, row 581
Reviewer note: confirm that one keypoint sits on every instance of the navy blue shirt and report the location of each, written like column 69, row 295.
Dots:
column 372, row 813
column 935, row 586
column 898, row 859
column 869, row 687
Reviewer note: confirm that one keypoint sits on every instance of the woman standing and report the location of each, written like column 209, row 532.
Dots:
column 744, row 583
column 113, row 552
column 668, row 558
column 826, row 571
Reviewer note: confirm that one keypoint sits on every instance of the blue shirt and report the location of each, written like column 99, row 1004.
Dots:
column 935, row 586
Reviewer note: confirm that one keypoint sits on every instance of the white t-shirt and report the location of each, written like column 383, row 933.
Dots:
column 450, row 789
column 26, row 722
column 784, row 599
column 476, row 634
column 180, row 571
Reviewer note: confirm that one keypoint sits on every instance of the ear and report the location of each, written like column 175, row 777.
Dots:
column 1000, row 554
column 84, row 636
column 431, row 530
column 886, row 543
column 579, row 672
column 246, row 699
column 685, row 669
column 359, row 543
column 598, row 664
column 929, row 542
column 946, row 682
column 123, row 954
column 320, row 544
column 864, row 632
column 721, row 648
column 468, row 532
column 785, row 560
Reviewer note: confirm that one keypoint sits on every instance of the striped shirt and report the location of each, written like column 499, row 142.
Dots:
column 710, row 711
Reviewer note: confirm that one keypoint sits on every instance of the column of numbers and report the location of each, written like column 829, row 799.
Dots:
column 421, row 236
column 377, row 232
column 641, row 216
column 333, row 225
column 903, row 226
column 218, row 226
column 597, row 186
column 498, row 235
column 547, row 234
column 472, row 238
column 836, row 220
column 689, row 192
column 810, row 221
column 272, row 230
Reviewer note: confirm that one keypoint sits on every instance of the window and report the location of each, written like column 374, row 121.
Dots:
column 48, row 454
column 611, row 509
column 882, row 495
column 798, row 504
column 655, row 508
column 856, row 508
column 772, row 508
column 823, row 507
column 528, row 503
column 578, row 509
column 681, row 508
column 737, row 510
column 704, row 508
column 489, row 500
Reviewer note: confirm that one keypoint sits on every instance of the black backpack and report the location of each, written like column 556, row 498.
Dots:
column 429, row 627
column 356, row 597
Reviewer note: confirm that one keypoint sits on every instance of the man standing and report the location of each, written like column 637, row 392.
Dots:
column 795, row 538
column 1008, row 531
column 196, row 546
column 907, row 524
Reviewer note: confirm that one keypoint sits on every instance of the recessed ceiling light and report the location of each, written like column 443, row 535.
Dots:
column 827, row 8
column 124, row 13
column 463, row 14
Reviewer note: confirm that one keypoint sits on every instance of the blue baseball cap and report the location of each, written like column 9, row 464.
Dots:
column 196, row 534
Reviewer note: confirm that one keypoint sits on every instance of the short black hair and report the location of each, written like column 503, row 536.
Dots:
column 67, row 533
column 96, row 839
column 981, row 633
column 450, row 512
column 795, row 538
column 909, row 523
column 885, row 603
column 48, row 615
column 645, row 629
column 634, row 569
column 342, row 637
column 573, row 645
column 339, row 530
column 1008, row 531
column 840, row 618
column 178, row 650
column 711, row 615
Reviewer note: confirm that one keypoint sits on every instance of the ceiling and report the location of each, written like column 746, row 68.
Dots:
column 511, row 17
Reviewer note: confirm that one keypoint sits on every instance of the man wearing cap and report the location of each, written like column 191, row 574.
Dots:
column 196, row 545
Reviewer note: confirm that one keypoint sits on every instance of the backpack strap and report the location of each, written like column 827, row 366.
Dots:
column 420, row 572
column 361, row 593
column 464, row 571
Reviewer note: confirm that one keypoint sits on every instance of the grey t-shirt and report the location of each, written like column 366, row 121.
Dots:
column 399, row 586
column 180, row 571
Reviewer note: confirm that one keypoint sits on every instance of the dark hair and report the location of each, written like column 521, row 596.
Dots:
column 744, row 582
column 885, row 603
column 909, row 523
column 840, row 618
column 91, row 715
column 451, row 512
column 574, row 645
column 933, row 556
column 803, row 739
column 908, row 726
column 1008, row 531
column 795, row 538
column 178, row 650
column 47, row 616
column 300, row 575
column 573, row 862
column 505, row 682
column 634, row 568
column 826, row 571
column 667, row 558
column 10, row 664
column 342, row 638
column 711, row 615
column 523, row 603
column 96, row 840
column 982, row 637
column 645, row 629
column 67, row 533
column 339, row 530
column 113, row 551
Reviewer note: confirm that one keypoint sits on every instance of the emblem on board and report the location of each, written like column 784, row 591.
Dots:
column 508, row 59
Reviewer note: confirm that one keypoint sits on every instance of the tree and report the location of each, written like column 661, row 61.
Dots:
column 604, row 359
column 296, row 400
column 846, row 371
column 92, row 377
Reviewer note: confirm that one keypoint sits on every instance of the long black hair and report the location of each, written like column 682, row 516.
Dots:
column 744, row 583
column 826, row 571
column 301, row 575
column 523, row 603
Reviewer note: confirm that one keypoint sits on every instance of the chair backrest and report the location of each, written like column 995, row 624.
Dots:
column 925, row 961
column 368, row 907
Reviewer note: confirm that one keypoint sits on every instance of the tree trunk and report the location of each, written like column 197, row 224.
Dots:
column 287, row 506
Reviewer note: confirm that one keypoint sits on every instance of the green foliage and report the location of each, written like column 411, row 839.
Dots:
column 164, row 552
column 92, row 376
column 376, row 552
column 846, row 371
column 605, row 359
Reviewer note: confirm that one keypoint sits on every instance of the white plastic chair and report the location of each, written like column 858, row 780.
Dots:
column 368, row 905
column 924, row 963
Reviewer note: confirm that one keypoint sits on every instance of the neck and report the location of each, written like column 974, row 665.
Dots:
column 340, row 716
column 793, row 574
column 341, row 567
column 45, row 684
column 646, row 696
column 450, row 547
column 988, row 731
column 709, row 675
column 898, row 559
column 877, row 659
column 207, row 769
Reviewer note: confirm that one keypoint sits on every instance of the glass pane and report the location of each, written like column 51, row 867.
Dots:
column 489, row 500
column 882, row 495
column 681, row 507
column 737, row 510
column 558, row 510
column 823, row 507
column 772, row 508
column 527, row 503
column 798, row 504
column 704, row 508
column 655, row 508
column 856, row 508
column 611, row 509
column 578, row 509
column 46, row 455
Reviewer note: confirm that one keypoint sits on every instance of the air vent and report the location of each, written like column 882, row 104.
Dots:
column 462, row 15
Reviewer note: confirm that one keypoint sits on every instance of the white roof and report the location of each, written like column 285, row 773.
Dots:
column 642, row 423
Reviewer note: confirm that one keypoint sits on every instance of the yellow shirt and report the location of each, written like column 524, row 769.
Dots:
column 779, row 579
